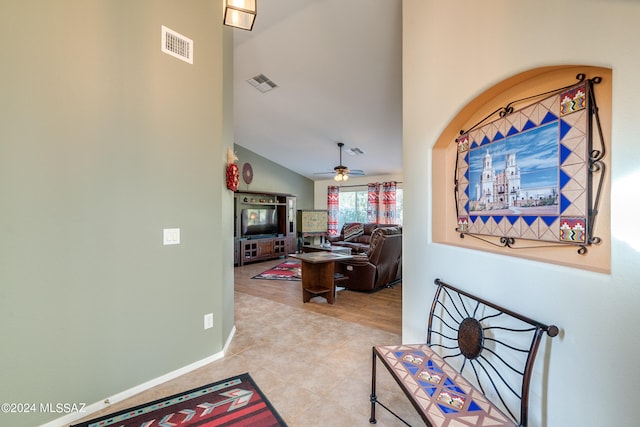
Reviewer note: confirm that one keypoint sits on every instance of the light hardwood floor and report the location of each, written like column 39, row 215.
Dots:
column 380, row 310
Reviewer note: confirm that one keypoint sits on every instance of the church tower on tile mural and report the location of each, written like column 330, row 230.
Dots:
column 499, row 190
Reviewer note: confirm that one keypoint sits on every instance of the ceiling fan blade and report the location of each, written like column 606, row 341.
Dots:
column 356, row 172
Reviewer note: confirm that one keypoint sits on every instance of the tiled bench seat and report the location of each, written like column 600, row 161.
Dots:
column 441, row 394
column 474, row 369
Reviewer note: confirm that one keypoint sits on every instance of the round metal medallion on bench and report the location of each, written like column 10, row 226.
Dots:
column 470, row 338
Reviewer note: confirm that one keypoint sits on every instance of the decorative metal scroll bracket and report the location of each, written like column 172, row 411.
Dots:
column 510, row 242
column 508, row 109
column 596, row 159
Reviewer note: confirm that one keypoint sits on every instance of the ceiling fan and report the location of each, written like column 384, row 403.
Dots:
column 341, row 171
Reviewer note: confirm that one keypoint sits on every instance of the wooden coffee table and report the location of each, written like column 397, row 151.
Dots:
column 318, row 274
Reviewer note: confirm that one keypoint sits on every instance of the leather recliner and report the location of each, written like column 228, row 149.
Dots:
column 381, row 266
column 360, row 243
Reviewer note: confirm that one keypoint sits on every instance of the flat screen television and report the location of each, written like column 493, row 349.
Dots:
column 257, row 222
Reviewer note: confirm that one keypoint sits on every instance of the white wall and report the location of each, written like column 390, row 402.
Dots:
column 320, row 187
column 452, row 52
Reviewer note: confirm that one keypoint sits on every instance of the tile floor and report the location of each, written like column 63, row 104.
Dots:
column 316, row 374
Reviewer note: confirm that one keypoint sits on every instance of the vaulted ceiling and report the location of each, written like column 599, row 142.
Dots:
column 337, row 65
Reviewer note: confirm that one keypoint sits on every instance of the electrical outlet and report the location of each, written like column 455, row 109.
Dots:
column 208, row 321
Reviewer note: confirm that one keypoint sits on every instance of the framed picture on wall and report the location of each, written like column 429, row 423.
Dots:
column 528, row 174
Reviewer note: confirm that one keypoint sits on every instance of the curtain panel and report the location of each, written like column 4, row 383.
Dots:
column 373, row 202
column 388, row 195
column 333, row 205
column 381, row 205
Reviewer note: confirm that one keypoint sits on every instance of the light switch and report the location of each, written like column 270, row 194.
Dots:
column 171, row 236
column 208, row 321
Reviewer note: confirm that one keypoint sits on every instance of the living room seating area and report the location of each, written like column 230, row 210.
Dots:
column 377, row 267
column 357, row 236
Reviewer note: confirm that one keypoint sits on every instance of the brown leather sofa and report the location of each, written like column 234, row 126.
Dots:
column 358, row 243
column 380, row 267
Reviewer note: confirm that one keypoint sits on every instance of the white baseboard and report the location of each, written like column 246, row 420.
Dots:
column 229, row 339
column 98, row 406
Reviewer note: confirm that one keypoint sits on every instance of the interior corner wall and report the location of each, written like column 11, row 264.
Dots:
column 454, row 51
column 227, row 307
column 104, row 142
column 270, row 177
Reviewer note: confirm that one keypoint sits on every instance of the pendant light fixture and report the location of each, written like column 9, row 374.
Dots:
column 342, row 172
column 240, row 13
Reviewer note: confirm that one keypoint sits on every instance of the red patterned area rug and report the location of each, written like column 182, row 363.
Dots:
column 234, row 402
column 288, row 270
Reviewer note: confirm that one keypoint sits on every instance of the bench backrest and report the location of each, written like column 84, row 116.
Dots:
column 492, row 347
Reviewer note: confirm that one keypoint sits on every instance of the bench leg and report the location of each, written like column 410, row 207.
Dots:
column 372, row 397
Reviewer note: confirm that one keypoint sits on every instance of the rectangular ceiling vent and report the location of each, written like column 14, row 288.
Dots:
column 262, row 83
column 355, row 151
column 177, row 45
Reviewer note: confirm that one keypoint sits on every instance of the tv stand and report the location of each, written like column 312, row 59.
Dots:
column 265, row 246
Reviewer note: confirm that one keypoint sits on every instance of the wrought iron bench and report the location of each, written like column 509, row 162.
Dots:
column 495, row 348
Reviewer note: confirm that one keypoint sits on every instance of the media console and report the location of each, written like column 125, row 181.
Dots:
column 250, row 250
column 264, row 226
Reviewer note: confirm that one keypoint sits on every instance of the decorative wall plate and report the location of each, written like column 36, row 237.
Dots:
column 247, row 173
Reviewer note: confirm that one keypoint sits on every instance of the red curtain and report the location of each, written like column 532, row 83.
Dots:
column 373, row 202
column 388, row 195
column 333, row 200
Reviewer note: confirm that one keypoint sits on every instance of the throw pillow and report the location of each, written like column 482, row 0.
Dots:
column 375, row 238
column 352, row 231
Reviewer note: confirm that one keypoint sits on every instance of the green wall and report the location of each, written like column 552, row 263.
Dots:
column 271, row 177
column 105, row 141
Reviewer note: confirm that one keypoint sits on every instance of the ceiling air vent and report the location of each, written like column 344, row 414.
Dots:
column 177, row 45
column 355, row 151
column 262, row 83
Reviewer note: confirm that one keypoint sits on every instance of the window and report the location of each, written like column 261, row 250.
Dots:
column 353, row 207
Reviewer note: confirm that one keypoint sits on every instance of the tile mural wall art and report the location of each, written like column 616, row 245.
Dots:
column 532, row 173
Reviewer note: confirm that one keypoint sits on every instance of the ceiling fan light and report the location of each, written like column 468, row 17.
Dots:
column 342, row 172
column 341, row 176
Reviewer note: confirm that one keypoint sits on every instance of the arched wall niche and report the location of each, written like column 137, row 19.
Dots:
column 529, row 83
